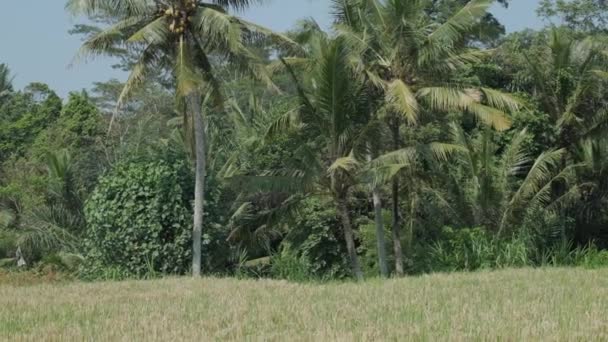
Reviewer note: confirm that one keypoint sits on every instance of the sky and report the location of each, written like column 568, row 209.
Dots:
column 35, row 43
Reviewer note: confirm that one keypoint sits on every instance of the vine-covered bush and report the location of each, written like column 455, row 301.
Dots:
column 139, row 220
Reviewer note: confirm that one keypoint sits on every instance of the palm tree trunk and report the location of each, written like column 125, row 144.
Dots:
column 199, row 186
column 382, row 260
column 397, row 248
column 350, row 239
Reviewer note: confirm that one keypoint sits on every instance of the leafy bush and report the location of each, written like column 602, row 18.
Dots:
column 315, row 242
column 139, row 220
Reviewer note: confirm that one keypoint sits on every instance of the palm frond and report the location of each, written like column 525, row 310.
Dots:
column 236, row 4
column 490, row 116
column 443, row 151
column 120, row 8
column 458, row 60
column 453, row 100
column 156, row 32
column 539, row 175
column 139, row 73
column 401, row 99
column 502, row 101
column 515, row 159
column 455, row 27
column 346, row 164
column 107, row 41
column 218, row 29
column 285, row 123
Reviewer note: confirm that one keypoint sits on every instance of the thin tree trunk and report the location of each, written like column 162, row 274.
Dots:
column 398, row 249
column 382, row 260
column 199, row 186
column 350, row 239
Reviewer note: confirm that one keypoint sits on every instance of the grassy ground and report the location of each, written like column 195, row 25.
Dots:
column 511, row 305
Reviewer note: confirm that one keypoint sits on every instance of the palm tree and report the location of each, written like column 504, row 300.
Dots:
column 6, row 82
column 409, row 56
column 592, row 154
column 568, row 76
column 186, row 36
column 54, row 226
column 332, row 129
column 500, row 190
column 332, row 120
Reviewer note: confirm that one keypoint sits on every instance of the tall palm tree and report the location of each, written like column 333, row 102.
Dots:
column 409, row 55
column 332, row 128
column 333, row 122
column 186, row 36
column 336, row 131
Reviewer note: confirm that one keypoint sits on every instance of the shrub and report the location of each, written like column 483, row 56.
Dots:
column 462, row 249
column 594, row 258
column 289, row 266
column 469, row 249
column 139, row 221
column 516, row 252
column 315, row 242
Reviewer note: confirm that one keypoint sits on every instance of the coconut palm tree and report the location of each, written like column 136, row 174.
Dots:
column 332, row 121
column 332, row 128
column 335, row 131
column 409, row 56
column 187, row 37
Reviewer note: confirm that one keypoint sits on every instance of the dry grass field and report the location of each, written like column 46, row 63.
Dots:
column 510, row 305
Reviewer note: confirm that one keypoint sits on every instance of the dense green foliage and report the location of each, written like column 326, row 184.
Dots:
column 412, row 137
column 138, row 220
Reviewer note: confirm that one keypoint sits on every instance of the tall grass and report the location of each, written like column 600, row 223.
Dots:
column 549, row 304
column 474, row 249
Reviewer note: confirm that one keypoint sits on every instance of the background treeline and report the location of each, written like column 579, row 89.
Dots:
column 414, row 136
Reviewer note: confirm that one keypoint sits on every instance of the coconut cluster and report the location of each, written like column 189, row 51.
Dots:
column 180, row 15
